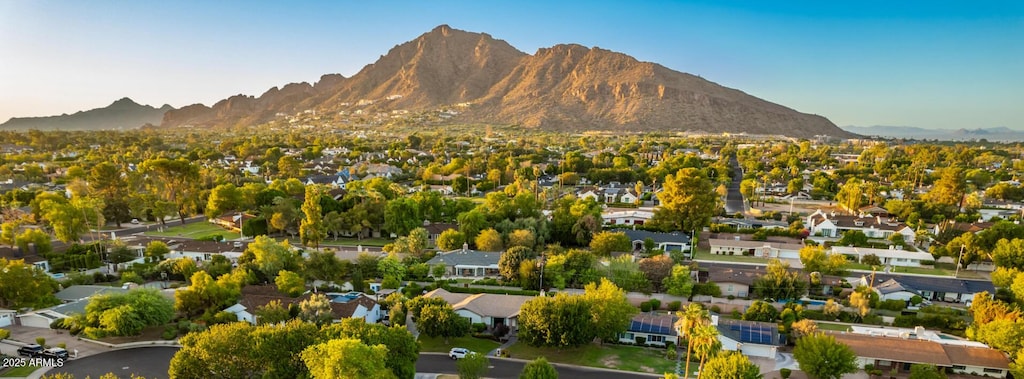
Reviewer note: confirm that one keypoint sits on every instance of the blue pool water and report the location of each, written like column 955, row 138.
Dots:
column 809, row 302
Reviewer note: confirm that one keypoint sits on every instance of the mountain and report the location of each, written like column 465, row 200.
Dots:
column 1000, row 134
column 564, row 87
column 121, row 114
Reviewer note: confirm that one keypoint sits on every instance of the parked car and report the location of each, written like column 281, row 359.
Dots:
column 30, row 351
column 55, row 352
column 458, row 352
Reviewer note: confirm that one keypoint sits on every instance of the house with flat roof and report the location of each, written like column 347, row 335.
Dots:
column 752, row 338
column 953, row 290
column 486, row 308
column 674, row 241
column 762, row 249
column 891, row 256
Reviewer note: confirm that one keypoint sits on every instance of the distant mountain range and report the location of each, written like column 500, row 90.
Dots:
column 564, row 87
column 121, row 114
column 1000, row 134
column 482, row 80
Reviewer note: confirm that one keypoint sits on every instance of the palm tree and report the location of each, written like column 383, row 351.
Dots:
column 689, row 319
column 705, row 342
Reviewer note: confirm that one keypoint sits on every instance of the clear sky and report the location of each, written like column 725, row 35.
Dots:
column 931, row 64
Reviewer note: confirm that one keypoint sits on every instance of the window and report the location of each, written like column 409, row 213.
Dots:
column 628, row 336
column 958, row 367
column 993, row 371
column 654, row 338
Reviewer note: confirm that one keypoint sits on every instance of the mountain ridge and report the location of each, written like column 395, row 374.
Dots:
column 563, row 87
column 123, row 113
column 999, row 133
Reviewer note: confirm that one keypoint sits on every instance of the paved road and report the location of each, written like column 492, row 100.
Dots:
column 148, row 362
column 438, row 363
column 733, row 199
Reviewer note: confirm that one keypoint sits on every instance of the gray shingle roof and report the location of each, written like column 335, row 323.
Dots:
column 640, row 235
column 78, row 292
column 466, row 258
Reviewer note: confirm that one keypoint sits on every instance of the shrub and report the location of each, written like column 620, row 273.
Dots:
column 893, row 305
column 785, row 372
column 670, row 354
column 479, row 327
column 4, row 334
column 673, row 306
column 641, row 340
column 40, row 341
column 500, row 330
column 62, row 345
column 916, row 300
column 58, row 324
column 716, row 309
column 645, row 306
column 170, row 332
column 731, row 297
column 655, row 304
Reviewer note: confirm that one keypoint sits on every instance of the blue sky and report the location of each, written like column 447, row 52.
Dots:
column 930, row 64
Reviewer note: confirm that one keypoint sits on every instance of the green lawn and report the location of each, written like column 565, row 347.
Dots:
column 479, row 345
column 706, row 255
column 345, row 241
column 194, row 231
column 620, row 357
column 18, row 372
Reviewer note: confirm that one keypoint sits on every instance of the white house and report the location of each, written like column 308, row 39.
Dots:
column 833, row 225
column 899, row 353
column 675, row 241
column 651, row 329
column 762, row 249
column 630, row 217
column 890, row 256
column 467, row 263
column 485, row 308
column 7, row 317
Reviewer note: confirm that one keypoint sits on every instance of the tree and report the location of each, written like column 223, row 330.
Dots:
column 34, row 238
column 523, row 238
column 851, row 195
column 107, row 183
column 822, row 357
column 240, row 350
column 853, row 238
column 207, row 295
column 272, row 313
column 489, row 240
column 539, row 369
column 223, row 198
column 679, row 283
column 401, row 215
column 24, row 285
column 472, row 366
column 604, row 243
column 657, row 269
column 323, row 265
column 813, row 258
column 391, row 268
column 471, row 223
column 831, row 308
column 804, row 327
column 861, row 302
column 1009, row 254
column 925, row 371
column 690, row 318
column 290, row 283
column 442, row 321
column 269, row 256
column 346, row 358
column 156, row 250
column 312, row 230
column 610, row 310
column 705, row 343
column 175, row 180
column 730, row 365
column 450, row 239
column 688, row 201
column 761, row 311
column 403, row 350
column 948, row 191
column 125, row 314
column 511, row 259
column 560, row 321
column 779, row 283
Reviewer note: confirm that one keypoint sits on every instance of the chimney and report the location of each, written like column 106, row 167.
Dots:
column 465, row 247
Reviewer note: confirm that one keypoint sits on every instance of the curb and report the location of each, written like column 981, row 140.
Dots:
column 524, row 361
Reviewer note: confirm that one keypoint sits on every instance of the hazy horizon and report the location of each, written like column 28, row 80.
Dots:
column 930, row 65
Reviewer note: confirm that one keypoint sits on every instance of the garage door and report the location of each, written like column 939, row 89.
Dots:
column 6, row 320
column 35, row 321
column 758, row 350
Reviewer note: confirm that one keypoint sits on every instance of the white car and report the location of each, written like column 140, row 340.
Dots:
column 458, row 352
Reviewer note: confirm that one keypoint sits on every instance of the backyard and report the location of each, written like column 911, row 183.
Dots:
column 198, row 230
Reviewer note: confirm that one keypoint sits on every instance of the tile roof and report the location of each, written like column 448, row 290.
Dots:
column 920, row 351
column 976, row 356
column 483, row 304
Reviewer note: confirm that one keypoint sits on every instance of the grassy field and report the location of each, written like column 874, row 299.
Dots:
column 18, row 372
column 196, row 230
column 478, row 345
column 830, row 326
column 620, row 357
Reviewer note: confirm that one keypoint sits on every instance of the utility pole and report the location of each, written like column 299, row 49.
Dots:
column 960, row 258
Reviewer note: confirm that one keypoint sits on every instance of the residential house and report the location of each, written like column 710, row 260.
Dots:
column 30, row 257
column 7, row 317
column 735, row 281
column 898, row 353
column 485, row 308
column 466, row 263
column 343, row 305
column 591, row 193
column 752, row 338
column 630, row 217
column 953, row 290
column 232, row 221
column 891, row 256
column 744, row 223
column 651, row 329
column 830, row 224
column 674, row 241
column 74, row 299
column 763, row 249
column 434, row 229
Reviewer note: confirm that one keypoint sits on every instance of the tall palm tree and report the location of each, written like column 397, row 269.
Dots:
column 689, row 319
column 705, row 343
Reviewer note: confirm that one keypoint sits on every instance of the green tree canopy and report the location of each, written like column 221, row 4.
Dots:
column 539, row 369
column 688, row 201
column 346, row 358
column 820, row 356
column 24, row 285
column 604, row 243
column 610, row 310
column 730, row 365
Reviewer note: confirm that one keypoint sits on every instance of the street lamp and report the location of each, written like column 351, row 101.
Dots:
column 960, row 258
column 540, row 264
